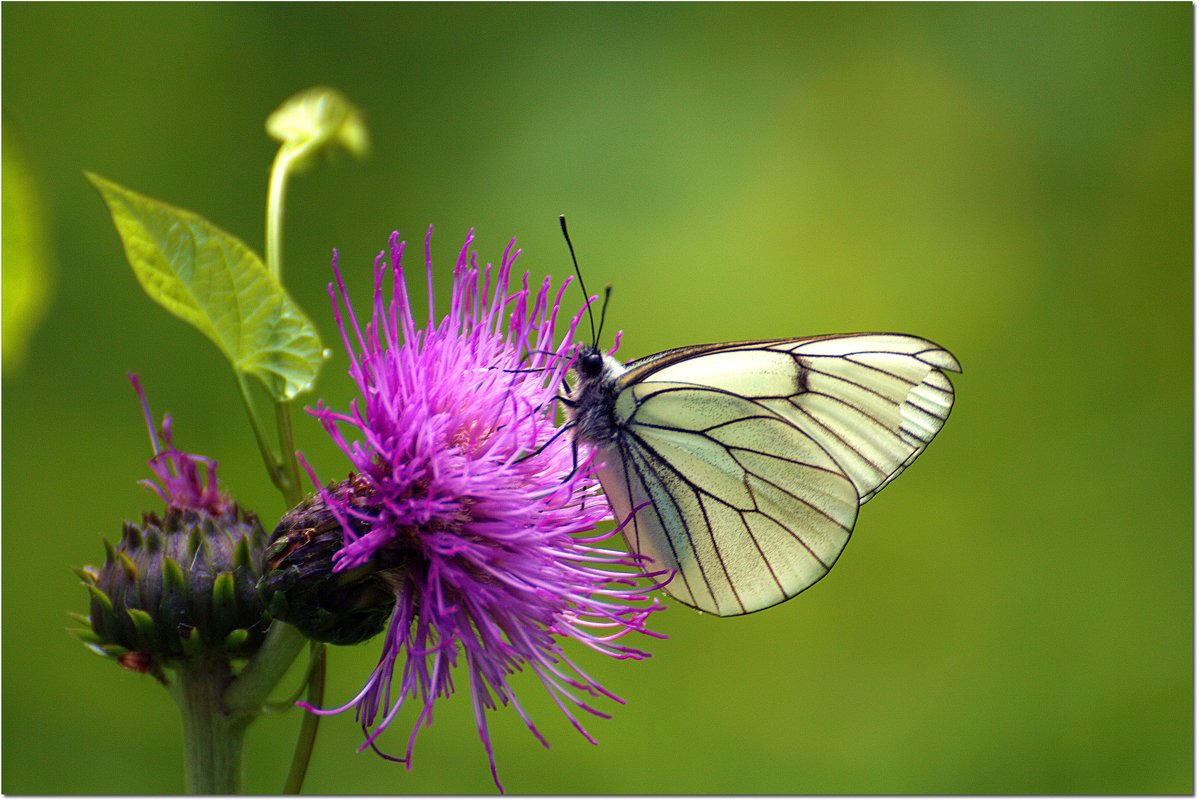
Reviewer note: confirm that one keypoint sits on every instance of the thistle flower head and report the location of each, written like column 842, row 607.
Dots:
column 476, row 512
column 181, row 584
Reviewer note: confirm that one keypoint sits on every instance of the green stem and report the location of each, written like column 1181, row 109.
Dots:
column 268, row 456
column 250, row 689
column 289, row 482
column 291, row 465
column 274, row 211
column 307, row 738
column 212, row 738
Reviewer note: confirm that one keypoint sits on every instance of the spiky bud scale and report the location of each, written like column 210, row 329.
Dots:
column 177, row 587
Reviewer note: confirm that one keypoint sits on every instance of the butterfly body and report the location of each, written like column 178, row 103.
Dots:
column 741, row 466
column 593, row 401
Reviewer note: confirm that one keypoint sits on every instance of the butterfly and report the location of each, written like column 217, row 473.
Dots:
column 741, row 466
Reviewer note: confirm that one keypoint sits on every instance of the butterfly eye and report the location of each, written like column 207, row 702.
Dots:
column 591, row 363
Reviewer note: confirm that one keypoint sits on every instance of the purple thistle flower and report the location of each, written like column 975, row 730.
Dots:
column 471, row 502
column 180, row 483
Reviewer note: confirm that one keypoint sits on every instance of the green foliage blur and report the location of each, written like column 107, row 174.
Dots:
column 1012, row 181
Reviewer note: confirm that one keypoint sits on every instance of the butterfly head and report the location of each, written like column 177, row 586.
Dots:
column 590, row 363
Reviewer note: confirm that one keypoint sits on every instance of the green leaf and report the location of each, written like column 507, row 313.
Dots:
column 212, row 280
column 28, row 274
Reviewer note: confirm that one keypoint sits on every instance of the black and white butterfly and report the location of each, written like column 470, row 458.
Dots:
column 741, row 466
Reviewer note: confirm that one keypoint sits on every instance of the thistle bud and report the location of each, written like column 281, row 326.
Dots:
column 178, row 586
column 181, row 584
column 299, row 585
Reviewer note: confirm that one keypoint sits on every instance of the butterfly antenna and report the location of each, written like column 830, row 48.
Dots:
column 604, row 310
column 583, row 286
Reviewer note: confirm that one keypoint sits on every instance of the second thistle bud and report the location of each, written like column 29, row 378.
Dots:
column 179, row 586
column 300, row 587
column 182, row 584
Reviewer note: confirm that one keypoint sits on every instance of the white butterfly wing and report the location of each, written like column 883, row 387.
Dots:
column 749, row 461
column 874, row 401
column 746, row 508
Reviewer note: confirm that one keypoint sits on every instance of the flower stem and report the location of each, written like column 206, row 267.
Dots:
column 250, row 689
column 307, row 738
column 291, row 466
column 274, row 211
column 288, row 477
column 268, row 456
column 212, row 738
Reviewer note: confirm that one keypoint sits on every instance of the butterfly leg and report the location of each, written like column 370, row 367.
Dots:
column 574, row 457
column 557, row 434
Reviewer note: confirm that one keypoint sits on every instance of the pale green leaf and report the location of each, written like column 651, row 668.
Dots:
column 212, row 280
column 28, row 273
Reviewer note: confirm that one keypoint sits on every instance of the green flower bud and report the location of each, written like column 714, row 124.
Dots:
column 178, row 587
column 299, row 587
column 318, row 121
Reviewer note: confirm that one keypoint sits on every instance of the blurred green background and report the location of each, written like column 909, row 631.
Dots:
column 1012, row 181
